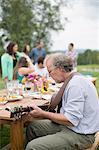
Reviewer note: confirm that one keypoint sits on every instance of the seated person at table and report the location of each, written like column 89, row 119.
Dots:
column 40, row 68
column 75, row 125
column 23, row 67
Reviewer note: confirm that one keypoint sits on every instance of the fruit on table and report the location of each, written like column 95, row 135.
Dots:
column 24, row 80
column 13, row 96
column 2, row 99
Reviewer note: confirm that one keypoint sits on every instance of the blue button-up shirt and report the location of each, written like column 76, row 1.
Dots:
column 36, row 53
column 80, row 105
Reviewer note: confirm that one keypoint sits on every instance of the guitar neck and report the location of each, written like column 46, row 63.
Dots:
column 18, row 112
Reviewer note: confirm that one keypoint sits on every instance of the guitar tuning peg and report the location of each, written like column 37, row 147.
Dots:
column 21, row 107
column 8, row 109
column 15, row 108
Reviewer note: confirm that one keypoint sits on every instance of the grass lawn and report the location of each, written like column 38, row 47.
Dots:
column 4, row 130
column 4, row 135
column 92, row 70
column 87, row 69
column 2, row 85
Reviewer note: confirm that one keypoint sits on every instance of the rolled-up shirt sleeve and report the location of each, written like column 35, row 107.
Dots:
column 73, row 105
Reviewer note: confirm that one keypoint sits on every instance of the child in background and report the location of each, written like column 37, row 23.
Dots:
column 40, row 69
column 23, row 67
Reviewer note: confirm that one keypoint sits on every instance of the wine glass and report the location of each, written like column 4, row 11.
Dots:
column 16, row 87
column 9, row 88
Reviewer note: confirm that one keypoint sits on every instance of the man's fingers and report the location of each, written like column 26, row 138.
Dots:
column 32, row 112
column 34, row 106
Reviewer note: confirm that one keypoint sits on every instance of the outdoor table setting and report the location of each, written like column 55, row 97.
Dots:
column 16, row 95
column 16, row 102
column 20, row 97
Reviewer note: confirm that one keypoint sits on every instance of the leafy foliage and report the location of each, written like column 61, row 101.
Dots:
column 88, row 57
column 31, row 20
column 17, row 20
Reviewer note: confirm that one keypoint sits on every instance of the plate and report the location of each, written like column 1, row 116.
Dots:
column 3, row 102
column 27, row 95
column 15, row 98
column 46, row 97
column 30, row 94
column 37, row 95
column 59, row 85
column 53, row 89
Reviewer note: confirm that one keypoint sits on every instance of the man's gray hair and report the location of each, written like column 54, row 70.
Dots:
column 62, row 61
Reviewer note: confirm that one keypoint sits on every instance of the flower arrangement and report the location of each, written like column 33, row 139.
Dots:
column 40, row 83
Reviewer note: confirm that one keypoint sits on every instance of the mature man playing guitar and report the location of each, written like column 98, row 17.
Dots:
column 74, row 125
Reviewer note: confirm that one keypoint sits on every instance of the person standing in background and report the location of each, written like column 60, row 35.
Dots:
column 26, row 50
column 8, row 61
column 71, row 52
column 16, row 55
column 37, row 52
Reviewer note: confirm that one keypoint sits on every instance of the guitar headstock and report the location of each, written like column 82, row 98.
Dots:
column 18, row 112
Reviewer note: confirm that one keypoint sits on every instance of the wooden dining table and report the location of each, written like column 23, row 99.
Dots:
column 17, row 126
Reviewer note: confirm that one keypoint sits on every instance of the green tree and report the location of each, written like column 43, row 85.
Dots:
column 17, row 20
column 31, row 20
column 47, row 18
column 88, row 57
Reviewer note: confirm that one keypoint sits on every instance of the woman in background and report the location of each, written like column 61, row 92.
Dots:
column 23, row 67
column 26, row 51
column 16, row 55
column 72, row 53
column 8, row 61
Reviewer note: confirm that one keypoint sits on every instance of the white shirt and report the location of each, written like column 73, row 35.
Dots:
column 80, row 105
column 41, row 71
column 73, row 55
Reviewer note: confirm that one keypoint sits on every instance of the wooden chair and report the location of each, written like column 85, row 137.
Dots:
column 96, row 142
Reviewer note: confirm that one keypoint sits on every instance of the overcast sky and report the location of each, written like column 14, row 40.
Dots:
column 82, row 28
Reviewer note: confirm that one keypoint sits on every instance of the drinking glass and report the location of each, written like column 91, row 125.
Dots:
column 28, row 86
column 16, row 87
column 9, row 88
